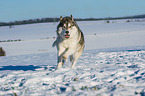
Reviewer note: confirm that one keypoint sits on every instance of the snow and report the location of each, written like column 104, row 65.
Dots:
column 112, row 63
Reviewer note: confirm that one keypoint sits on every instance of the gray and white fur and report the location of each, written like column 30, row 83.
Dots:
column 69, row 42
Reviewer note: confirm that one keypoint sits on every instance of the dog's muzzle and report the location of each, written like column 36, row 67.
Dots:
column 67, row 34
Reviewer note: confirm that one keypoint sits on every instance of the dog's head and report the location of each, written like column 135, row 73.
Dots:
column 66, row 28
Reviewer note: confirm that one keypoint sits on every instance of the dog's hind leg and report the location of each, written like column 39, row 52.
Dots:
column 64, row 60
column 71, row 58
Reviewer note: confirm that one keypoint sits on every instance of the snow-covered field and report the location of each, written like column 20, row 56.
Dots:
column 112, row 64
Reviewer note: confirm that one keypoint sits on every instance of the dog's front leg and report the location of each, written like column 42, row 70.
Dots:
column 61, row 51
column 75, row 57
column 59, row 62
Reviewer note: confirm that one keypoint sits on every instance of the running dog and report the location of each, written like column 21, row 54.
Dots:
column 69, row 42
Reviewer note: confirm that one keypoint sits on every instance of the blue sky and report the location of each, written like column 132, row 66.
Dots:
column 12, row 10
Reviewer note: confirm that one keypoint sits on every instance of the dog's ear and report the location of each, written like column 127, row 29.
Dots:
column 61, row 18
column 71, row 17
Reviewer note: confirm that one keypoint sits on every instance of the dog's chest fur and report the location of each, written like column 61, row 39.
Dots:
column 69, row 43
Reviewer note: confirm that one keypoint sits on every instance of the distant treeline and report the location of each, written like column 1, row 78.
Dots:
column 43, row 20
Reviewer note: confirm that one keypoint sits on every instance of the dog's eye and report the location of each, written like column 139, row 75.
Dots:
column 70, row 26
column 63, row 27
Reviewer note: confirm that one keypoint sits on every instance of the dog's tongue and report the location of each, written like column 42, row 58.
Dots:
column 66, row 36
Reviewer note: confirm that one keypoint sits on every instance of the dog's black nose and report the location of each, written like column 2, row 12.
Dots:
column 66, row 31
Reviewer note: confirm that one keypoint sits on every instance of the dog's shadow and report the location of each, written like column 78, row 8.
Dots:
column 26, row 68
column 18, row 68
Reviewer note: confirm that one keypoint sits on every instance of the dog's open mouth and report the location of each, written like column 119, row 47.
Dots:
column 67, row 36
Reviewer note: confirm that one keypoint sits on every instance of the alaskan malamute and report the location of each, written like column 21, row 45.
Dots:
column 69, row 42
